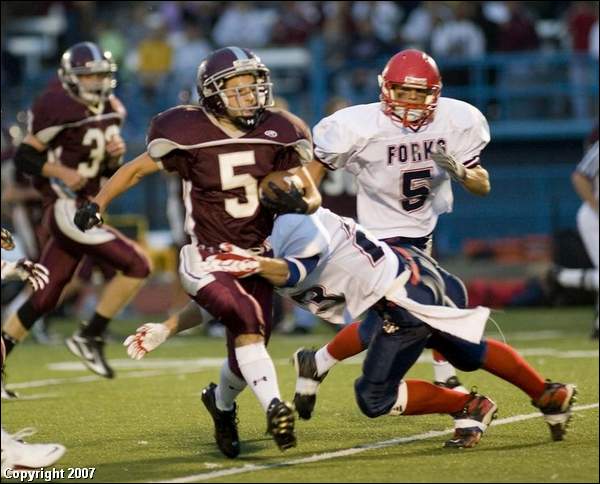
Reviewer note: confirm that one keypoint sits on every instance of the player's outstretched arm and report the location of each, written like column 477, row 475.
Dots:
column 90, row 213
column 150, row 336
column 124, row 178
column 274, row 270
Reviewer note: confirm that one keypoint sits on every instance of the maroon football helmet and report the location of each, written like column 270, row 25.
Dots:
column 223, row 64
column 410, row 68
column 86, row 58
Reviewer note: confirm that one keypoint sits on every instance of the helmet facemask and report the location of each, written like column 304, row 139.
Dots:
column 411, row 114
column 90, row 92
column 216, row 97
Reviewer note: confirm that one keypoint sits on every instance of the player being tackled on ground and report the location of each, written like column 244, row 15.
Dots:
column 221, row 149
column 336, row 269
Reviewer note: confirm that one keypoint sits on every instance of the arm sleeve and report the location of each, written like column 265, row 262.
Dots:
column 334, row 143
column 588, row 166
column 44, row 121
column 299, row 236
column 163, row 150
column 473, row 139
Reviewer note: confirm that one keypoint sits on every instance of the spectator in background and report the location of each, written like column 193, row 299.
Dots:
column 190, row 49
column 243, row 23
column 360, row 85
column 384, row 17
column 295, row 24
column 337, row 26
column 111, row 39
column 155, row 58
column 417, row 30
column 458, row 39
column 585, row 182
column 518, row 34
column 581, row 18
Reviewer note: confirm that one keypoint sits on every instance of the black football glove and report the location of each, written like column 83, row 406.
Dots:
column 88, row 216
column 291, row 201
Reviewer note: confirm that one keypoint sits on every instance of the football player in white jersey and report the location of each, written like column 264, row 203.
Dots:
column 585, row 182
column 404, row 151
column 336, row 269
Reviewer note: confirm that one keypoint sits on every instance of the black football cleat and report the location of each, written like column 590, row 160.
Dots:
column 280, row 424
column 307, row 382
column 452, row 383
column 90, row 350
column 226, row 432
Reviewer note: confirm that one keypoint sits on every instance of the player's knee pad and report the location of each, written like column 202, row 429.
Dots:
column 461, row 354
column 455, row 289
column 375, row 399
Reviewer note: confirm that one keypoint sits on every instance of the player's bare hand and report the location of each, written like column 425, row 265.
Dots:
column 146, row 338
column 116, row 146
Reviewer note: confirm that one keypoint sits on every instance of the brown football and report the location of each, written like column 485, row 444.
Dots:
column 282, row 179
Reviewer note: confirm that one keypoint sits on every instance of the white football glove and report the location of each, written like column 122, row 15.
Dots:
column 147, row 338
column 446, row 162
column 35, row 274
column 7, row 240
column 232, row 259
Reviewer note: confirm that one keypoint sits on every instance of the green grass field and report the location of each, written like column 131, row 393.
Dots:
column 149, row 425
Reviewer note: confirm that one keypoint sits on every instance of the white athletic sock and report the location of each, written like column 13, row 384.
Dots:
column 578, row 278
column 324, row 361
column 259, row 372
column 229, row 387
column 442, row 370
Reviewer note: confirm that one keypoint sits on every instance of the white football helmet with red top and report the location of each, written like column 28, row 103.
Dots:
column 410, row 68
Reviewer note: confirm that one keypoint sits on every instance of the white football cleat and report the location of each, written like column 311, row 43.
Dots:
column 17, row 454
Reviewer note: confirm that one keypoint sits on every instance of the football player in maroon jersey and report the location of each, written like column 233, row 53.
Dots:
column 222, row 149
column 74, row 141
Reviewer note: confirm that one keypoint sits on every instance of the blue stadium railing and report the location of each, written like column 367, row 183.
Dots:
column 528, row 95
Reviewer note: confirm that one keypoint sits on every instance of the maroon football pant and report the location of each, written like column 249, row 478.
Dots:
column 62, row 255
column 244, row 306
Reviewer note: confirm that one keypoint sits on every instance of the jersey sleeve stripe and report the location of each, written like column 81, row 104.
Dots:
column 588, row 166
column 472, row 163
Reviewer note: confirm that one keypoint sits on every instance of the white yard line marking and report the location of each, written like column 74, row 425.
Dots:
column 91, row 378
column 199, row 364
column 354, row 450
